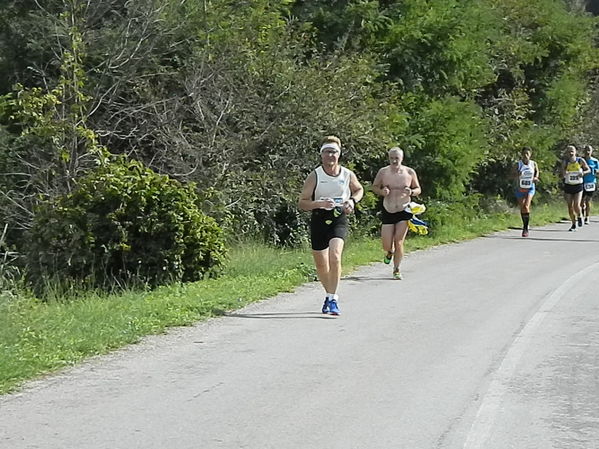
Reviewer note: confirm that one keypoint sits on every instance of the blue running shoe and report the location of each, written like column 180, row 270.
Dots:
column 325, row 306
column 333, row 308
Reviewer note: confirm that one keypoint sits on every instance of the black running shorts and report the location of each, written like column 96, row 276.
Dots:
column 572, row 189
column 324, row 227
column 395, row 217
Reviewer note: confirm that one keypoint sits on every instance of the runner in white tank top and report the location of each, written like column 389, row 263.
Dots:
column 527, row 175
column 331, row 193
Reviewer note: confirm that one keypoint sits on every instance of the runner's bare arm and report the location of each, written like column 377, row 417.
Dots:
column 357, row 191
column 415, row 185
column 305, row 200
column 377, row 184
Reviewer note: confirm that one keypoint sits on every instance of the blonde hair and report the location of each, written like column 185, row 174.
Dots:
column 332, row 139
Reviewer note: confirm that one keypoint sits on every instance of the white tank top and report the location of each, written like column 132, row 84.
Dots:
column 526, row 173
column 336, row 187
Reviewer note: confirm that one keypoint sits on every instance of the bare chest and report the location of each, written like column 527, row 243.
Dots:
column 397, row 180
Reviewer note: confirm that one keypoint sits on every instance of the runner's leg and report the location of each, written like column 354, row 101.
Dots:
column 525, row 212
column 321, row 261
column 570, row 203
column 586, row 207
column 335, row 252
column 577, row 201
column 401, row 229
column 387, row 231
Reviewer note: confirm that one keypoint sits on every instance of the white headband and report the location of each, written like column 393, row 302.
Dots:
column 332, row 145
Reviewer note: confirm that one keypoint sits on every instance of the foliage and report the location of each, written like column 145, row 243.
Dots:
column 448, row 141
column 45, row 141
column 366, row 221
column 235, row 96
column 124, row 224
column 440, row 46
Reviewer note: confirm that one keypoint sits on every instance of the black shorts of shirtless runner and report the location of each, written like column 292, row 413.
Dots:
column 394, row 217
column 324, row 226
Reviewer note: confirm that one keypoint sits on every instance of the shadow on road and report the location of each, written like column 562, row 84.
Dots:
column 514, row 237
column 368, row 278
column 547, row 230
column 282, row 315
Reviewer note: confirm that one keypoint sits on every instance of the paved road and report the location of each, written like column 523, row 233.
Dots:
column 487, row 344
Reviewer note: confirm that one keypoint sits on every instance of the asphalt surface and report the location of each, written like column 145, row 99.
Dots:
column 488, row 344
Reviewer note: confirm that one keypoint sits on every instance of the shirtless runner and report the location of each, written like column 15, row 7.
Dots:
column 396, row 183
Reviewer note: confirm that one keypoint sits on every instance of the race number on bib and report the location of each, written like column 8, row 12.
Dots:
column 590, row 187
column 526, row 179
column 525, row 183
column 573, row 178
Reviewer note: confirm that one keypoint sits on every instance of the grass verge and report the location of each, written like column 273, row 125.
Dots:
column 41, row 337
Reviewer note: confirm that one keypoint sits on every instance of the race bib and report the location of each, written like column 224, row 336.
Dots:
column 525, row 183
column 526, row 179
column 338, row 201
column 573, row 178
column 590, row 187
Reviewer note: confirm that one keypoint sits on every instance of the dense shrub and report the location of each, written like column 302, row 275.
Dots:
column 452, row 144
column 367, row 220
column 123, row 224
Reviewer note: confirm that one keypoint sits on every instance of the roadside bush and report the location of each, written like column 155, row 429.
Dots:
column 124, row 224
column 367, row 222
column 453, row 213
column 448, row 142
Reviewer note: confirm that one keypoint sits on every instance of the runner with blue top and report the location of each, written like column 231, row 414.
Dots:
column 589, row 182
column 526, row 174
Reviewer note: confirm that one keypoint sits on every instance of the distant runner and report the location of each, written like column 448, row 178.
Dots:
column 330, row 192
column 573, row 169
column 526, row 174
column 589, row 182
column 396, row 183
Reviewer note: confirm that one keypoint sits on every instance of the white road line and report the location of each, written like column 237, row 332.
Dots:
column 485, row 417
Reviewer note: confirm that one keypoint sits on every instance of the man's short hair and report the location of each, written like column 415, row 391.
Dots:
column 332, row 139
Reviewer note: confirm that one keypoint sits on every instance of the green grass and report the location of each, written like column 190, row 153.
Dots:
column 41, row 337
